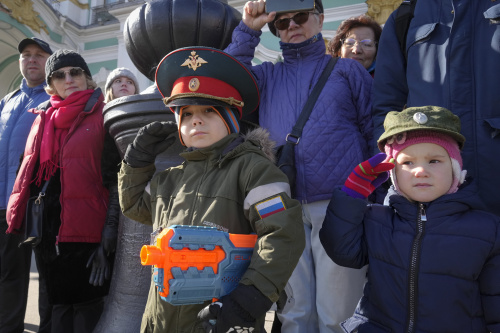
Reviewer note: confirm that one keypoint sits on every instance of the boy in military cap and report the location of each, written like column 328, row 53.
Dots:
column 433, row 253
column 228, row 181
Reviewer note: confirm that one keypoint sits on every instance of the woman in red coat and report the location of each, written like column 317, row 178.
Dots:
column 65, row 148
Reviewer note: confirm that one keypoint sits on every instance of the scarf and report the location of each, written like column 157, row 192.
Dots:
column 58, row 120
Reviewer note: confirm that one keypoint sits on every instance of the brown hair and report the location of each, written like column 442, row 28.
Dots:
column 346, row 26
column 52, row 91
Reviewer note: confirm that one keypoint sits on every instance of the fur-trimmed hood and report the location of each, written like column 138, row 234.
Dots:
column 260, row 136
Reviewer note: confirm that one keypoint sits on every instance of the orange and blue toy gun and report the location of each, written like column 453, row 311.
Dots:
column 193, row 264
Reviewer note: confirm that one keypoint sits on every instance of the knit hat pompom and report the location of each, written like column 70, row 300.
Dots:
column 64, row 58
column 397, row 143
column 119, row 72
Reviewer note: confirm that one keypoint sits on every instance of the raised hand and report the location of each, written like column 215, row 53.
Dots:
column 150, row 141
column 255, row 16
column 368, row 175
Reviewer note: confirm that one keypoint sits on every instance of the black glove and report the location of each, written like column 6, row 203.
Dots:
column 236, row 311
column 150, row 141
column 101, row 268
column 109, row 234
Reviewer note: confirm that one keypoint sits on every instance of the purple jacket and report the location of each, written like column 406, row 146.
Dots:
column 338, row 133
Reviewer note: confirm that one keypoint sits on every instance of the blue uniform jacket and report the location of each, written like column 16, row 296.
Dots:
column 338, row 133
column 453, row 51
column 433, row 267
column 15, row 125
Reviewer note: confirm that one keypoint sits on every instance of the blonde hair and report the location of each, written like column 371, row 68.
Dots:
column 51, row 90
column 108, row 96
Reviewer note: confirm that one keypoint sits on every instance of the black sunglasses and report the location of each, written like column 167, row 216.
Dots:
column 299, row 18
column 61, row 75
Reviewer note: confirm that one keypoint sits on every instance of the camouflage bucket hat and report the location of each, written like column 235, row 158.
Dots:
column 432, row 118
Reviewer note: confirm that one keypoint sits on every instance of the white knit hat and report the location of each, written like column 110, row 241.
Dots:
column 118, row 72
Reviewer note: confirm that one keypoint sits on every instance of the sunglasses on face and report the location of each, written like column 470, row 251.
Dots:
column 61, row 75
column 299, row 18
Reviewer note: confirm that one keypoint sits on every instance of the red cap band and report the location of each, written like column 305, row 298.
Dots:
column 205, row 85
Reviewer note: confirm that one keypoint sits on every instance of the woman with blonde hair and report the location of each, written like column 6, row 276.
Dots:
column 120, row 82
column 64, row 159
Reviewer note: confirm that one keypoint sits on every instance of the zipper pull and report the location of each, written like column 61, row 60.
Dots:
column 423, row 217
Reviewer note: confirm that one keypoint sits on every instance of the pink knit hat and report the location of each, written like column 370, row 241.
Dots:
column 400, row 141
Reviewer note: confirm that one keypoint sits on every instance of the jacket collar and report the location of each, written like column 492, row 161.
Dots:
column 464, row 199
column 211, row 152
column 233, row 145
column 29, row 91
column 313, row 47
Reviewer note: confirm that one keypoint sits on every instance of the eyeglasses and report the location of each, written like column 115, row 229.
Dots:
column 299, row 18
column 74, row 72
column 366, row 44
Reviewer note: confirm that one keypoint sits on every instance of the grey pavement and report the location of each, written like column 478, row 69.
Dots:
column 32, row 320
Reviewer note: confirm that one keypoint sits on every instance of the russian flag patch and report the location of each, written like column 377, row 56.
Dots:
column 270, row 207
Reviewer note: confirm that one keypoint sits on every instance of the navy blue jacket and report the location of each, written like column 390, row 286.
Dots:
column 433, row 267
column 453, row 51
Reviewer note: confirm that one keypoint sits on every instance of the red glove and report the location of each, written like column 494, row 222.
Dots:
column 368, row 175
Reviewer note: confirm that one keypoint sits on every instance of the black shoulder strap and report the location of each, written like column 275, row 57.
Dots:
column 403, row 18
column 296, row 133
column 10, row 95
column 92, row 100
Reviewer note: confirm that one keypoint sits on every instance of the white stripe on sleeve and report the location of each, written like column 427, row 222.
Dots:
column 265, row 191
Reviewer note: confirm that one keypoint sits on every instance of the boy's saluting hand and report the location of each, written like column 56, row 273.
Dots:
column 150, row 141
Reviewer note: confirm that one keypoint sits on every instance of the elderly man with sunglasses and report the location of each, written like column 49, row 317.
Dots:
column 336, row 137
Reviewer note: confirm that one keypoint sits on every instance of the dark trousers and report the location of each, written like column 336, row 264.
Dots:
column 15, row 265
column 77, row 318
column 44, row 308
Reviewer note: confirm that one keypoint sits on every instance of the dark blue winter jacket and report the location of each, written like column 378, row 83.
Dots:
column 453, row 51
column 433, row 267
column 338, row 133
column 15, row 124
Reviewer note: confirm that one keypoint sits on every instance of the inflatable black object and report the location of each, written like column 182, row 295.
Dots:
column 151, row 32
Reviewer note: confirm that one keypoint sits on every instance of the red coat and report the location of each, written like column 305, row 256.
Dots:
column 84, row 199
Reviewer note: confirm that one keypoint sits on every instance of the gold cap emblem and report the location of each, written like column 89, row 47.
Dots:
column 194, row 84
column 194, row 61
